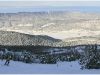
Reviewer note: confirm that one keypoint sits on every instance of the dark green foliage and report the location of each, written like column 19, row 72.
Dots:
column 19, row 39
column 91, row 58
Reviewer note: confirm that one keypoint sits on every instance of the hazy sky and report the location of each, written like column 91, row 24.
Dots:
column 48, row 3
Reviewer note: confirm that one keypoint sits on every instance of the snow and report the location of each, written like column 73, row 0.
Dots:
column 6, row 51
column 59, row 34
column 56, row 34
column 79, row 49
column 46, row 25
column 16, row 67
column 98, row 47
column 57, row 51
column 25, row 24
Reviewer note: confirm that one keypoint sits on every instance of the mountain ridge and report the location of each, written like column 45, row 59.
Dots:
column 10, row 38
column 54, row 26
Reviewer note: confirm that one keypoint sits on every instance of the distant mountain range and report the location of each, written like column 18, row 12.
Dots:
column 46, row 20
column 49, row 28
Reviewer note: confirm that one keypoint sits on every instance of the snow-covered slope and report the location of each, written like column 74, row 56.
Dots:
column 16, row 67
column 59, row 34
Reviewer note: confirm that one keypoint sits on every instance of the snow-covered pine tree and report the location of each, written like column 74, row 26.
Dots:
column 90, row 59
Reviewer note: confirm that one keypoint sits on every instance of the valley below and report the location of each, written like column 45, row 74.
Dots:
column 69, row 28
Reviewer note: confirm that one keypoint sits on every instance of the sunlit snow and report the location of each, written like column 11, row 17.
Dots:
column 16, row 67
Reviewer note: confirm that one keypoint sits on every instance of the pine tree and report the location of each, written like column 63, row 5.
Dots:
column 90, row 59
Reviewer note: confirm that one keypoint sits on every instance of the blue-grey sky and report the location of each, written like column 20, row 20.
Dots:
column 49, row 3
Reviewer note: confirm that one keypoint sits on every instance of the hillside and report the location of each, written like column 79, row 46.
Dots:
column 14, row 38
column 9, row 38
column 84, row 40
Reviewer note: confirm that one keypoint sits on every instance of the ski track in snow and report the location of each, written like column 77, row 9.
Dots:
column 16, row 67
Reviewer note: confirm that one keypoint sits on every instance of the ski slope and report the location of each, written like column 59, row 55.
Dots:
column 16, row 67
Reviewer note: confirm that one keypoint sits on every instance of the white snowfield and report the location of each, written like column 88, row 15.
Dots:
column 16, row 67
column 46, row 25
column 59, row 34
column 25, row 24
